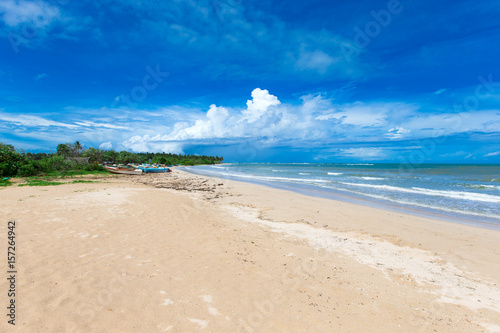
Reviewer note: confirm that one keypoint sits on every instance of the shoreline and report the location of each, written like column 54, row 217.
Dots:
column 409, row 220
column 178, row 252
column 479, row 221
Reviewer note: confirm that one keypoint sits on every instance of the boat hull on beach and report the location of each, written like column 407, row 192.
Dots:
column 154, row 170
column 125, row 171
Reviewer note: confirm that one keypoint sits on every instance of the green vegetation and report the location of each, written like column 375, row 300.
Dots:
column 4, row 183
column 39, row 182
column 75, row 172
column 71, row 159
column 126, row 157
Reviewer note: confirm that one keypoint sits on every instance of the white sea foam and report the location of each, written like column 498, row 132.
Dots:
column 483, row 187
column 449, row 194
column 255, row 177
column 414, row 203
column 462, row 195
column 454, row 194
column 314, row 180
column 359, row 164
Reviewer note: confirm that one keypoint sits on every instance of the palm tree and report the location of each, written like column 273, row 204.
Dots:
column 77, row 148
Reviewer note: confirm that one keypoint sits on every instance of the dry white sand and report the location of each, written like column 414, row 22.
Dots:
column 183, row 253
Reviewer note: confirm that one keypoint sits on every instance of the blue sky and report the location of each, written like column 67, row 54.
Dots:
column 325, row 81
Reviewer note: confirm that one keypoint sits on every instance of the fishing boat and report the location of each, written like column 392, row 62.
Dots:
column 153, row 169
column 124, row 170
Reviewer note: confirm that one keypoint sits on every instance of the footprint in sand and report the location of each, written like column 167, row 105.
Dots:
column 201, row 323
column 213, row 311
column 207, row 298
column 166, row 301
column 164, row 328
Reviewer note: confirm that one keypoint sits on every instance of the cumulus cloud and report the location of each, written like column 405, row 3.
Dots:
column 317, row 119
column 146, row 144
column 213, row 126
column 261, row 101
column 256, row 120
column 267, row 121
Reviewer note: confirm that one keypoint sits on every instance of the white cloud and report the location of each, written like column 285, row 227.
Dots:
column 362, row 153
column 257, row 119
column 368, row 114
column 34, row 121
column 37, row 13
column 260, row 103
column 439, row 92
column 106, row 145
column 214, row 126
column 492, row 154
column 397, row 132
column 146, row 144
column 452, row 123
column 93, row 124
column 316, row 60
column 265, row 119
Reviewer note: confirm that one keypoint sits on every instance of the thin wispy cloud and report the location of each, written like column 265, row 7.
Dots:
column 33, row 121
column 41, row 76
column 439, row 92
column 497, row 153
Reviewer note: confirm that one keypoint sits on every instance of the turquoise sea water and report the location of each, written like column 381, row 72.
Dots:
column 461, row 192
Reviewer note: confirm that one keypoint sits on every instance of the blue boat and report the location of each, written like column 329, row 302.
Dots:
column 153, row 169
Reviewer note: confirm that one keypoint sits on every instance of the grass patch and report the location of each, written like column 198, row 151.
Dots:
column 4, row 183
column 72, row 173
column 48, row 181
column 39, row 182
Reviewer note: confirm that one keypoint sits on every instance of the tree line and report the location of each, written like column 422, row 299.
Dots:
column 67, row 156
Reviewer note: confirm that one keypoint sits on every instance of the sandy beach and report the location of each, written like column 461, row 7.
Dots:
column 183, row 253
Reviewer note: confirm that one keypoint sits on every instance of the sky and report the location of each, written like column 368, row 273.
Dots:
column 255, row 81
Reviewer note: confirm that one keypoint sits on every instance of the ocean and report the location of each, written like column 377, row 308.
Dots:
column 464, row 193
